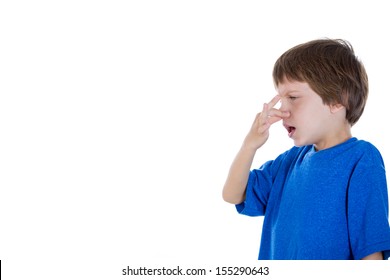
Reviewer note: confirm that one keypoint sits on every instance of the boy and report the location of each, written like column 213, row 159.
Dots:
column 326, row 198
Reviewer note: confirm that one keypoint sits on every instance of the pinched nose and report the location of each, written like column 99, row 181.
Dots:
column 283, row 105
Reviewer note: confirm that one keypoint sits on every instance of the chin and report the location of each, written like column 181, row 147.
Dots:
column 301, row 143
column 298, row 145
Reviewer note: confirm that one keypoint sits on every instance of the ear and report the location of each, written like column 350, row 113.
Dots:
column 334, row 108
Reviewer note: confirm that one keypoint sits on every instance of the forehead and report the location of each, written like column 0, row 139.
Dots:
column 288, row 86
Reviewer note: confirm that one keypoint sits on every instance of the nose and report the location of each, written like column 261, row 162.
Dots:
column 284, row 106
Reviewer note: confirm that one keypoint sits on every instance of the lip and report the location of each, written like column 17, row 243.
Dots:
column 290, row 129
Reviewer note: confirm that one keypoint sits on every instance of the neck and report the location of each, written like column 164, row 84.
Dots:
column 338, row 136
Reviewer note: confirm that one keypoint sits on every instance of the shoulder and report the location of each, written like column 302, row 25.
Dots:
column 366, row 151
column 291, row 156
column 296, row 152
column 367, row 168
column 365, row 145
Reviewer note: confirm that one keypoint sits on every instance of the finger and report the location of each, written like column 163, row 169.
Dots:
column 272, row 120
column 263, row 115
column 278, row 113
column 275, row 115
column 274, row 101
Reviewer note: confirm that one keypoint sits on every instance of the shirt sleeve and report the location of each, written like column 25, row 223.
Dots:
column 367, row 207
column 257, row 191
column 259, row 186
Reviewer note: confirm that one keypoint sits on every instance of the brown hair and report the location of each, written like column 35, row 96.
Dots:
column 331, row 69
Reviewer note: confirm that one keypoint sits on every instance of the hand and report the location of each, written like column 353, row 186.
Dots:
column 259, row 131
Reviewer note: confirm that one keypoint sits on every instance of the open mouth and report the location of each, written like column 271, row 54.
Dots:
column 290, row 130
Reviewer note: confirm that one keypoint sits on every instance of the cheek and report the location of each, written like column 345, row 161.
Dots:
column 305, row 115
column 315, row 116
column 299, row 111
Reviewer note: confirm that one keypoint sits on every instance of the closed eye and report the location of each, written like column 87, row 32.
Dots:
column 292, row 98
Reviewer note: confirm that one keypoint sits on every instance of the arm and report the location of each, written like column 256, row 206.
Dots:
column 375, row 256
column 235, row 185
column 368, row 223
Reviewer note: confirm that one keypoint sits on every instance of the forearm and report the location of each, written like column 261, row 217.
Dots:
column 375, row 256
column 237, row 179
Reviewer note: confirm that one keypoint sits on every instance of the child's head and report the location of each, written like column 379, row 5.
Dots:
column 331, row 69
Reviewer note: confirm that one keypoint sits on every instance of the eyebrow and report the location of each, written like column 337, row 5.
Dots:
column 289, row 92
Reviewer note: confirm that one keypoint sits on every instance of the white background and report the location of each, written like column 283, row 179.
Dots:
column 119, row 121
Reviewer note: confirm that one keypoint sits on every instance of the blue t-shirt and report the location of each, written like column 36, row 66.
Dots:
column 323, row 205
